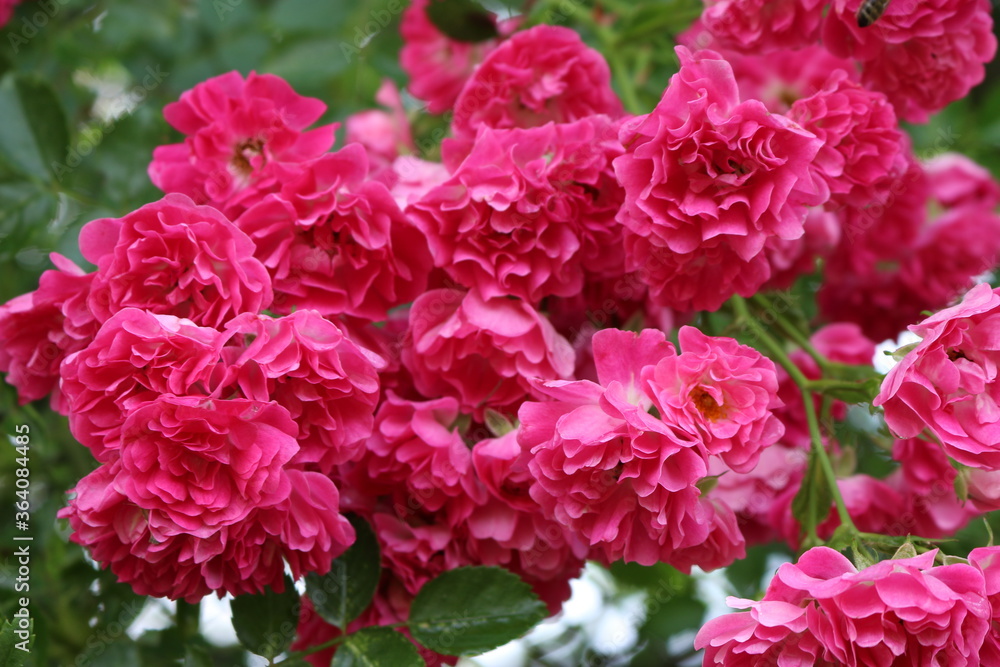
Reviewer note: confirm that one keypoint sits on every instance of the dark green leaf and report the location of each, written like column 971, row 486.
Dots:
column 473, row 609
column 376, row 647
column 10, row 654
column 265, row 624
column 462, row 20
column 811, row 505
column 347, row 589
column 33, row 134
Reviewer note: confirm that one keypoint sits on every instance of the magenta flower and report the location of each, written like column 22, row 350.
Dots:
column 529, row 213
column 159, row 558
column 708, row 180
column 40, row 329
column 136, row 357
column 312, row 368
column 483, row 352
column 438, row 66
column 623, row 479
column 947, row 383
column 174, row 258
column 922, row 55
column 720, row 391
column 543, row 74
column 237, row 130
column 760, row 26
column 337, row 243
column 823, row 611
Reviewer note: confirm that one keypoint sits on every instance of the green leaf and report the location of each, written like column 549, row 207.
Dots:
column 33, row 134
column 473, row 609
column 811, row 505
column 462, row 20
column 265, row 624
column 340, row 595
column 377, row 647
column 10, row 654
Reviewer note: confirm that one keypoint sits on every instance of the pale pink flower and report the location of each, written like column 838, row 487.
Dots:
column 237, row 130
column 955, row 180
column 384, row 134
column 823, row 611
column 337, row 243
column 529, row 213
column 947, row 383
column 483, row 352
column 708, row 180
column 542, row 74
column 174, row 258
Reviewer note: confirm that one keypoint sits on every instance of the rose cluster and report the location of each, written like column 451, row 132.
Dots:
column 488, row 358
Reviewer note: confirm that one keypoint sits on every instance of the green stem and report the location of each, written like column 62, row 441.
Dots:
column 800, row 380
column 295, row 655
column 187, row 618
column 792, row 331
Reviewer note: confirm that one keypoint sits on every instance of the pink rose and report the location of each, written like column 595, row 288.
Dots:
column 197, row 464
column 607, row 468
column 134, row 358
column 311, row 367
column 922, row 55
column 175, row 258
column 483, row 352
column 823, row 611
column 237, row 130
column 720, row 391
column 947, row 382
column 708, row 180
column 382, row 133
column 437, row 65
column 862, row 140
column 336, row 243
column 542, row 74
column 760, row 26
column 529, row 212
column 40, row 329
column 159, row 559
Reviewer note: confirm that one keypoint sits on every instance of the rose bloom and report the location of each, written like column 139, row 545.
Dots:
column 158, row 558
column 947, row 383
column 529, row 213
column 823, row 611
column 955, row 180
column 760, row 26
column 7, row 10
column 483, row 352
column 542, row 74
column 437, row 65
column 337, row 243
column 134, row 358
column 383, row 133
column 721, row 391
column 607, row 468
column 175, row 258
column 310, row 366
column 237, row 130
column 708, row 180
column 862, row 140
column 922, row 55
column 40, row 329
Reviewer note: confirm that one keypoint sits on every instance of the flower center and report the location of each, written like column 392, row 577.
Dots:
column 706, row 404
column 956, row 354
column 246, row 151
